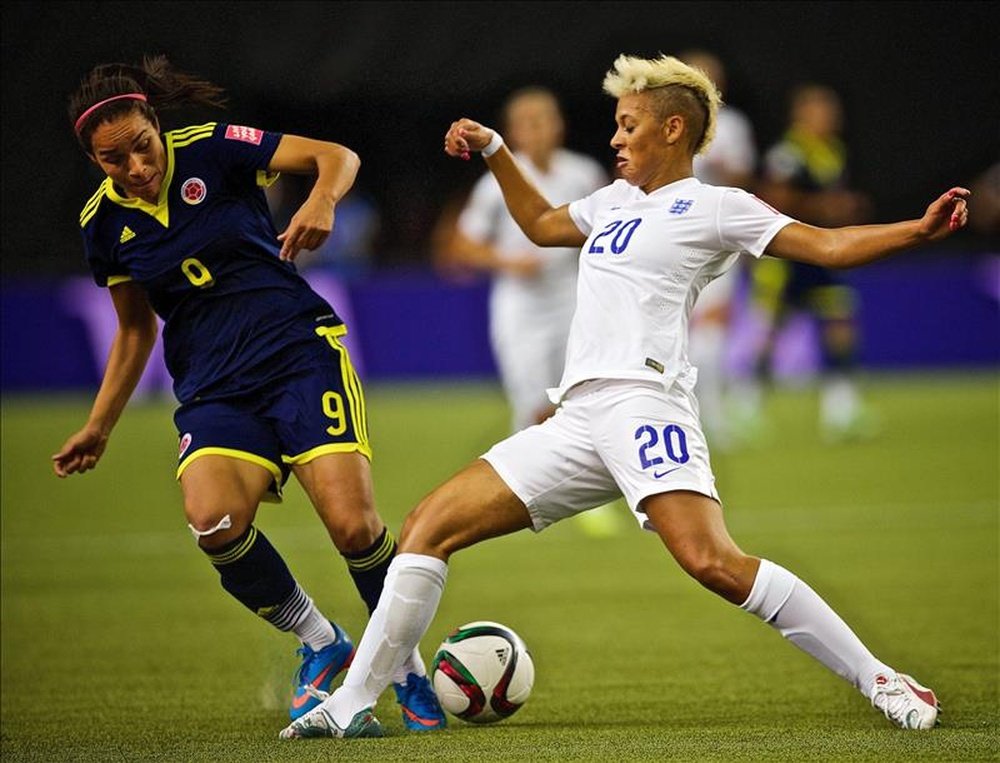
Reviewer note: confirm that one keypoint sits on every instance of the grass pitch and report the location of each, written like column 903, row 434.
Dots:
column 118, row 643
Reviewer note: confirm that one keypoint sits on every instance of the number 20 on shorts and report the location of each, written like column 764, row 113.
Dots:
column 669, row 440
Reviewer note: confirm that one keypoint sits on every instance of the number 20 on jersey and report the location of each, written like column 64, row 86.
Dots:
column 615, row 236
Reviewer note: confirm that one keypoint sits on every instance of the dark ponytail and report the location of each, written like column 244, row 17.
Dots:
column 154, row 84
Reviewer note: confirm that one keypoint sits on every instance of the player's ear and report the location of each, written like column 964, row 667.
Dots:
column 674, row 128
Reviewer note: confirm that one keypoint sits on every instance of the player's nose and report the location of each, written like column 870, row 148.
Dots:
column 135, row 165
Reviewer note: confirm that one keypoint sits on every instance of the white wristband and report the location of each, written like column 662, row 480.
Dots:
column 493, row 146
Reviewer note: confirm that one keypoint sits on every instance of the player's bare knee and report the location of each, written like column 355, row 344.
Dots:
column 352, row 533
column 214, row 524
column 213, row 534
column 425, row 532
column 718, row 572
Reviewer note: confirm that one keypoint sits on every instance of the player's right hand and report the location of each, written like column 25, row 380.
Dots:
column 465, row 136
column 80, row 453
column 946, row 214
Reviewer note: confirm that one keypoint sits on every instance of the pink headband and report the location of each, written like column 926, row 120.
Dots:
column 83, row 117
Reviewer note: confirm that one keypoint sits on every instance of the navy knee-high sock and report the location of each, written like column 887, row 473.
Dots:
column 254, row 573
column 368, row 568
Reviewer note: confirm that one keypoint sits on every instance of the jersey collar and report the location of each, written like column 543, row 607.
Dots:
column 160, row 210
column 663, row 190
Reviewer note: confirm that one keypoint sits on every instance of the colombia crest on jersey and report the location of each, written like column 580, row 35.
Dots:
column 235, row 316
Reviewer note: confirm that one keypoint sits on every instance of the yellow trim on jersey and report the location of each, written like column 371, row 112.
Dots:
column 181, row 138
column 159, row 211
column 242, row 455
column 334, row 447
column 93, row 203
column 115, row 280
column 266, row 179
column 174, row 139
column 184, row 132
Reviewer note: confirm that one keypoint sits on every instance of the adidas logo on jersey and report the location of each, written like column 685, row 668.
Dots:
column 127, row 235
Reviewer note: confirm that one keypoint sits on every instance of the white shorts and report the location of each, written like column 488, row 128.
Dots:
column 609, row 438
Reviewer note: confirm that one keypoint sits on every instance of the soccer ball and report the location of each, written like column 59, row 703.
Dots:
column 483, row 673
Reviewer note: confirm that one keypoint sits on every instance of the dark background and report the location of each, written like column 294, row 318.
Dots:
column 919, row 82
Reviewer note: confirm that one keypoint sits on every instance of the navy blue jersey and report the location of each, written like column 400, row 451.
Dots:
column 235, row 316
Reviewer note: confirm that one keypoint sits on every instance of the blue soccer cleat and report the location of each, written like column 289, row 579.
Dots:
column 421, row 709
column 318, row 669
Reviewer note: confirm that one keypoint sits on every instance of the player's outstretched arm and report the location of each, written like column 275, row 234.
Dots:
column 860, row 244
column 335, row 167
column 542, row 223
column 130, row 350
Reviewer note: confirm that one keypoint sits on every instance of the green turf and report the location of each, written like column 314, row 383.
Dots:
column 118, row 644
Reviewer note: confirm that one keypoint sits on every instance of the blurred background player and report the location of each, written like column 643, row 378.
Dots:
column 533, row 289
column 805, row 175
column 730, row 160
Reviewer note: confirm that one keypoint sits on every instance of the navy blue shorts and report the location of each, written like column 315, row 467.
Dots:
column 296, row 419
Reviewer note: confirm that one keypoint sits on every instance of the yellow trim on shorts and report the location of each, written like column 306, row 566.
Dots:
column 334, row 447
column 352, row 385
column 242, row 455
column 115, row 280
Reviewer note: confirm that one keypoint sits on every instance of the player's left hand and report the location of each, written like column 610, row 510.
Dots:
column 946, row 215
column 308, row 229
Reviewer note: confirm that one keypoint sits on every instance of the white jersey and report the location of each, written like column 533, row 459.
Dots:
column 646, row 258
column 485, row 219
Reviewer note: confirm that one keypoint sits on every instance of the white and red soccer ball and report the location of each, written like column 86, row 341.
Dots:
column 482, row 672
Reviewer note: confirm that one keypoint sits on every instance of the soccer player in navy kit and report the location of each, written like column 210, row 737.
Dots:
column 180, row 229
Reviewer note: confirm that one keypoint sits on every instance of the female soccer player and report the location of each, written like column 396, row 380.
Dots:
column 180, row 228
column 628, row 421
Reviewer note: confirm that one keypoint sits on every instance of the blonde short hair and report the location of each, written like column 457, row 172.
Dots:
column 679, row 88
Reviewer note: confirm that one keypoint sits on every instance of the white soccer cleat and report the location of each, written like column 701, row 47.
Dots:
column 905, row 702
column 319, row 723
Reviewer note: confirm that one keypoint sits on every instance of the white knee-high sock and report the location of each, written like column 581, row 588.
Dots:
column 410, row 597
column 790, row 606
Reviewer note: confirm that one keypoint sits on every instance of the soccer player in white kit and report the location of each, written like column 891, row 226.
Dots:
column 627, row 422
column 533, row 290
